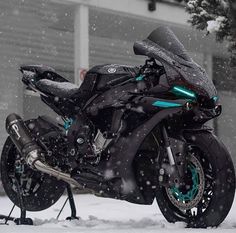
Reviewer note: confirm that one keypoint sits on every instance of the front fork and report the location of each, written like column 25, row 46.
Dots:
column 167, row 146
column 172, row 173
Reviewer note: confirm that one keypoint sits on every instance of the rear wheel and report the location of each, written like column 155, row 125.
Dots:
column 209, row 189
column 40, row 191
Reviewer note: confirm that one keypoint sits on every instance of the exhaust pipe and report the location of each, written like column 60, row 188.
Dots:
column 30, row 150
column 53, row 172
column 22, row 138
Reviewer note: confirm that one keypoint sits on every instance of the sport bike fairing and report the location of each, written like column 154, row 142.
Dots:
column 163, row 45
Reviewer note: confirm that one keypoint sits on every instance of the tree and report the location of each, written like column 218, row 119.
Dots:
column 233, row 32
column 215, row 16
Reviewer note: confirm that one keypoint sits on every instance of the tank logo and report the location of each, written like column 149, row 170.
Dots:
column 16, row 130
column 111, row 70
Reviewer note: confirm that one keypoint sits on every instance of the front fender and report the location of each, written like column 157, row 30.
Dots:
column 186, row 132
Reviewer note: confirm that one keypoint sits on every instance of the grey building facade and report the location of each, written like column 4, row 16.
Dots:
column 74, row 35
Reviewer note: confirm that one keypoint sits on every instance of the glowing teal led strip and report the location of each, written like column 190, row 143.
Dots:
column 182, row 91
column 165, row 104
column 139, row 78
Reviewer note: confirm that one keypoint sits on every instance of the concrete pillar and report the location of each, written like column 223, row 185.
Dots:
column 81, row 42
column 208, row 64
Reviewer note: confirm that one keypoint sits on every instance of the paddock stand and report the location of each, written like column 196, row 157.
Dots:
column 72, row 205
column 22, row 220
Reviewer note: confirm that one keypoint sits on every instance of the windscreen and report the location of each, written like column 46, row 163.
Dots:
column 164, row 46
column 164, row 37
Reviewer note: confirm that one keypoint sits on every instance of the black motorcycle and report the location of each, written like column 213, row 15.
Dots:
column 129, row 133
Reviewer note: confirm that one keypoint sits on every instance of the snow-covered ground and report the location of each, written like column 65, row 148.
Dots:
column 105, row 215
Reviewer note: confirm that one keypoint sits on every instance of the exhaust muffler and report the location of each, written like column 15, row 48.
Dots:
column 30, row 149
column 21, row 137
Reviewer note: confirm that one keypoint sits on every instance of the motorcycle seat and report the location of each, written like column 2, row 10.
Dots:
column 57, row 89
column 39, row 69
column 41, row 72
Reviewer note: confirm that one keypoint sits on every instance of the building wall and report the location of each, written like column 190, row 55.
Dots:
column 42, row 32
column 28, row 36
column 226, row 122
column 112, row 35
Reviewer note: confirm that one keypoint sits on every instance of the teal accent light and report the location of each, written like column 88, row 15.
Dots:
column 215, row 98
column 165, row 104
column 68, row 123
column 139, row 78
column 182, row 91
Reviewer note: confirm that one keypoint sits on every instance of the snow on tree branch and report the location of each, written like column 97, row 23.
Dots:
column 210, row 15
column 216, row 25
column 215, row 16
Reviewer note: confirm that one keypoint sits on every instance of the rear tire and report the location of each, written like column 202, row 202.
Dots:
column 40, row 191
column 219, row 185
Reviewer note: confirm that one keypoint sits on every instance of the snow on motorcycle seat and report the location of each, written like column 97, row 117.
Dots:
column 41, row 72
column 40, row 69
column 57, row 89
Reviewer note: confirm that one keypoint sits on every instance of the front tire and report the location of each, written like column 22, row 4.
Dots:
column 218, row 185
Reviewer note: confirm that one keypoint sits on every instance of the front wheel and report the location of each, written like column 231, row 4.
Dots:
column 208, row 194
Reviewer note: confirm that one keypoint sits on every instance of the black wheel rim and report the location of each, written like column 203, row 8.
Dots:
column 18, row 171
